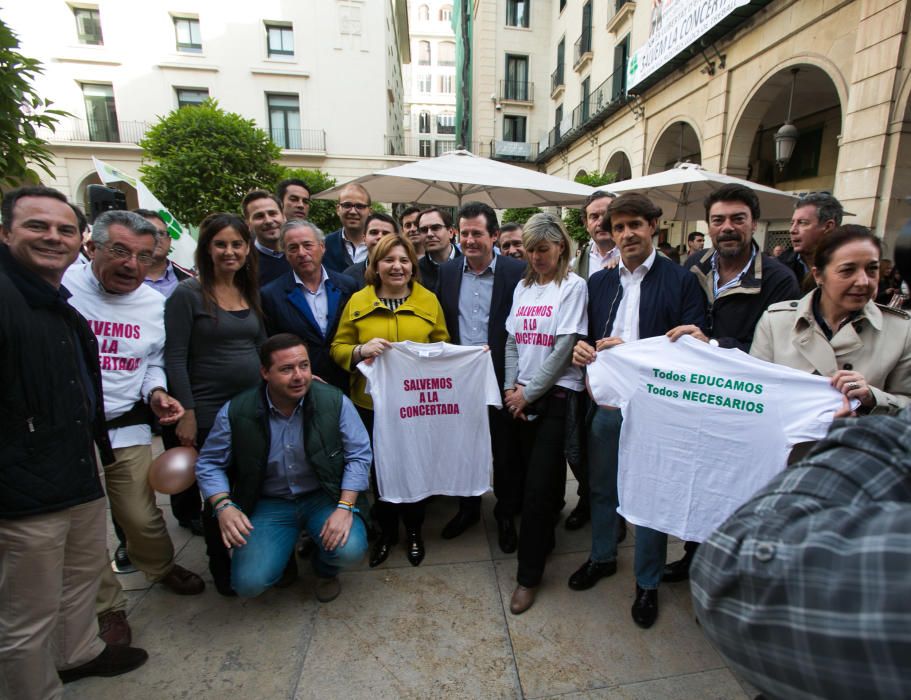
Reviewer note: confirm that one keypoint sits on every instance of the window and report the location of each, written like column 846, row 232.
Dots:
column 279, row 40
column 516, row 86
column 586, row 97
column 447, row 84
column 513, row 128
column 424, row 83
column 446, row 53
column 191, row 97
column 558, row 117
column 100, row 112
column 517, row 13
column 189, row 40
column 446, row 13
column 562, row 5
column 424, row 123
column 441, row 148
column 445, row 123
column 424, row 15
column 88, row 26
column 423, row 53
column 424, row 147
column 285, row 120
column 618, row 79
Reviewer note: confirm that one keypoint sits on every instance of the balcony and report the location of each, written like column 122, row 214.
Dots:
column 557, row 82
column 513, row 150
column 96, row 131
column 299, row 139
column 517, row 91
column 582, row 50
column 623, row 10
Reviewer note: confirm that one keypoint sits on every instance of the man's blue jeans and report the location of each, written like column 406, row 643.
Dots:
column 603, row 458
column 276, row 524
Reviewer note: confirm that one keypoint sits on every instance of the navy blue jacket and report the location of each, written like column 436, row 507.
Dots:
column 286, row 311
column 670, row 296
column 506, row 277
column 336, row 257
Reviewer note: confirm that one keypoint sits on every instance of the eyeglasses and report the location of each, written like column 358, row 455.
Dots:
column 347, row 206
column 436, row 228
column 120, row 253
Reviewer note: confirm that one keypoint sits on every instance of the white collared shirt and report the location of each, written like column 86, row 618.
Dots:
column 596, row 261
column 267, row 251
column 357, row 252
column 626, row 324
column 318, row 301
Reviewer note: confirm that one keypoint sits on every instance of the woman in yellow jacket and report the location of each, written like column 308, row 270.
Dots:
column 392, row 307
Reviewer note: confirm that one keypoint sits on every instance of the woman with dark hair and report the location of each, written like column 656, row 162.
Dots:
column 214, row 329
column 542, row 388
column 392, row 307
column 837, row 331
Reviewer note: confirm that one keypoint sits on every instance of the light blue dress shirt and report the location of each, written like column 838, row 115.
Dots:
column 475, row 296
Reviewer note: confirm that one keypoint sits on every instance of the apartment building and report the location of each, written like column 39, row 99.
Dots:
column 322, row 77
column 634, row 87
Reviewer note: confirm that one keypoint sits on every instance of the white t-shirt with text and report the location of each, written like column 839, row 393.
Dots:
column 539, row 314
column 703, row 428
column 430, row 429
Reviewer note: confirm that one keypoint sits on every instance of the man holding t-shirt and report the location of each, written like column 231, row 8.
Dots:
column 644, row 296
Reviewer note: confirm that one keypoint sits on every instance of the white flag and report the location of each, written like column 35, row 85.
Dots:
column 183, row 247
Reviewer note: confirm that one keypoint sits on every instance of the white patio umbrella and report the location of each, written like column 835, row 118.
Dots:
column 681, row 190
column 461, row 176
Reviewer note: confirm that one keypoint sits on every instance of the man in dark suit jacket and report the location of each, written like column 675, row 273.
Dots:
column 436, row 227
column 346, row 246
column 308, row 301
column 475, row 292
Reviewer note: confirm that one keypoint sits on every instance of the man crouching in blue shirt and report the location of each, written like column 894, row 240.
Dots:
column 289, row 455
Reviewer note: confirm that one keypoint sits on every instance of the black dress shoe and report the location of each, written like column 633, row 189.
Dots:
column 381, row 549
column 645, row 607
column 415, row 544
column 111, row 662
column 461, row 522
column 580, row 515
column 509, row 539
column 680, row 570
column 122, row 563
column 590, row 573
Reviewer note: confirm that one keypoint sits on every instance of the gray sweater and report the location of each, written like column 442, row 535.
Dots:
column 209, row 359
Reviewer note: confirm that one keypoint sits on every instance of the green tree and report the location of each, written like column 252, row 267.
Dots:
column 572, row 218
column 205, row 160
column 22, row 114
column 519, row 216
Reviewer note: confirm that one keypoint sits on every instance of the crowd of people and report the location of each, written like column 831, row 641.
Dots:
column 257, row 359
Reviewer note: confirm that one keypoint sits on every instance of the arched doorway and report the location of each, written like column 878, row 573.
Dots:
column 816, row 112
column 619, row 164
column 679, row 143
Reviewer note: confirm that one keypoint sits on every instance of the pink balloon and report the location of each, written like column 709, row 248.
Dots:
column 173, row 470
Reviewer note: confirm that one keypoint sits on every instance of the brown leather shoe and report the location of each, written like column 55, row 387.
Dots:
column 522, row 599
column 111, row 662
column 114, row 629
column 327, row 589
column 183, row 582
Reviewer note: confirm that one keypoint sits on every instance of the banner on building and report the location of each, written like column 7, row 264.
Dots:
column 673, row 26
column 183, row 246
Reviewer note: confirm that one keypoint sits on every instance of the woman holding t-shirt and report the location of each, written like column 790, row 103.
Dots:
column 392, row 307
column 548, row 314
column 214, row 329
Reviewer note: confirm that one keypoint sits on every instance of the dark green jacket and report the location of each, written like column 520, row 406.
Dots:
column 250, row 439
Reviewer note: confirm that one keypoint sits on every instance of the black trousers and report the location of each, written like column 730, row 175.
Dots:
column 185, row 505
column 508, row 472
column 385, row 514
column 542, row 446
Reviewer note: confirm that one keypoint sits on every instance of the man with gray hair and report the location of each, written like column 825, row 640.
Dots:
column 815, row 214
column 127, row 318
column 308, row 301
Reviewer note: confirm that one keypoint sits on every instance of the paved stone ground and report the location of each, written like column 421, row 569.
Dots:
column 441, row 630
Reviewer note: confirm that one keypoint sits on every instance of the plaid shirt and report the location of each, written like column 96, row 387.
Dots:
column 806, row 589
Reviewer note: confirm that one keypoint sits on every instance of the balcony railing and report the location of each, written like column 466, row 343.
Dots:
column 299, row 139
column 517, row 90
column 513, row 150
column 98, row 131
column 420, row 147
column 582, row 49
column 557, row 81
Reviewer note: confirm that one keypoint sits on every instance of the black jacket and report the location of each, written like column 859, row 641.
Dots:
column 734, row 314
column 47, row 457
column 506, row 277
column 286, row 311
column 430, row 271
